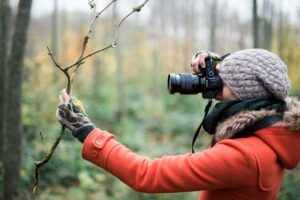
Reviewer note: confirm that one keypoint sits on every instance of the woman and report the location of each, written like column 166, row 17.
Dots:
column 244, row 162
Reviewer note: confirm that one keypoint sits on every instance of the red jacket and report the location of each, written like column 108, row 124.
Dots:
column 242, row 168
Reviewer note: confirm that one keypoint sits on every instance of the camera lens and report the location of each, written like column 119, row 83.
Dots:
column 173, row 83
column 184, row 83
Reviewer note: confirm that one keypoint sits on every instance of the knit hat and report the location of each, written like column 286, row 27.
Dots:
column 254, row 73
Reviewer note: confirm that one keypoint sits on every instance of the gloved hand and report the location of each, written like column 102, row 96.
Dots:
column 70, row 112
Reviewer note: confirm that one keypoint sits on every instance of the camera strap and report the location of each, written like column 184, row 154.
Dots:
column 261, row 124
column 199, row 128
column 217, row 58
column 224, row 56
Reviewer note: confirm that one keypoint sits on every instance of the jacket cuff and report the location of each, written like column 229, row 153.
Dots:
column 83, row 132
column 97, row 147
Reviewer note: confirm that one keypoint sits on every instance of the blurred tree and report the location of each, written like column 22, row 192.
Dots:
column 243, row 31
column 98, row 68
column 267, row 30
column 64, row 28
column 213, row 24
column 162, row 8
column 154, row 45
column 97, row 76
column 281, row 34
column 189, row 13
column 54, row 38
column 12, row 103
column 5, row 12
column 176, row 22
column 120, row 74
column 4, row 31
column 255, row 24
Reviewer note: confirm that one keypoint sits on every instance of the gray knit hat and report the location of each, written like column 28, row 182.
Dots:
column 254, row 73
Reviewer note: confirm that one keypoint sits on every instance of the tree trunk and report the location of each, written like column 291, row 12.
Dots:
column 13, row 131
column 4, row 32
column 155, row 88
column 54, row 38
column 97, row 77
column 120, row 78
column 268, row 15
column 255, row 24
column 213, row 24
column 281, row 33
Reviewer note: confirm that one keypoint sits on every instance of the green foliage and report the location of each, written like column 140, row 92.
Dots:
column 290, row 189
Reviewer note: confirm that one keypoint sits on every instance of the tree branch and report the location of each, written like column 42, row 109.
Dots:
column 61, row 69
column 89, row 55
column 77, row 64
column 39, row 164
column 87, row 36
column 114, row 42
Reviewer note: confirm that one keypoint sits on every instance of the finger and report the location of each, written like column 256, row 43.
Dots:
column 70, row 93
column 197, row 64
column 61, row 101
column 65, row 91
column 65, row 96
column 199, row 61
column 196, row 69
column 202, row 57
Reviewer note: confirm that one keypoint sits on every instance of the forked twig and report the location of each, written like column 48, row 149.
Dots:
column 76, row 65
column 115, row 40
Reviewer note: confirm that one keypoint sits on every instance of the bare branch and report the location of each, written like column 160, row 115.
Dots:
column 136, row 9
column 87, row 37
column 39, row 164
column 114, row 42
column 91, row 3
column 89, row 55
column 42, row 138
column 95, row 16
column 53, row 60
column 107, row 6
column 61, row 69
column 77, row 64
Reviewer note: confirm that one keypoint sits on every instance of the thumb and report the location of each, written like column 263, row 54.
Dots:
column 65, row 96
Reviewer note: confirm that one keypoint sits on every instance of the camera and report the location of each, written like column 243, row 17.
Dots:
column 206, row 82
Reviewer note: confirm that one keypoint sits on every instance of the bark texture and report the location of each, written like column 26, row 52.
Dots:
column 12, row 110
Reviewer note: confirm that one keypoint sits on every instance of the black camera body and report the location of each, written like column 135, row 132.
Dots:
column 206, row 82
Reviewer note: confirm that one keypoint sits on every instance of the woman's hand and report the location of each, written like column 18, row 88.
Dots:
column 198, row 62
column 72, row 115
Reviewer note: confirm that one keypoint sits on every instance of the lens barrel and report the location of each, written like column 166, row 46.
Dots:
column 185, row 83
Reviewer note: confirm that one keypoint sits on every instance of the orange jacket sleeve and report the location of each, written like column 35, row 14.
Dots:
column 228, row 164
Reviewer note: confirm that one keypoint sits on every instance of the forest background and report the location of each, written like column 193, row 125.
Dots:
column 124, row 89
